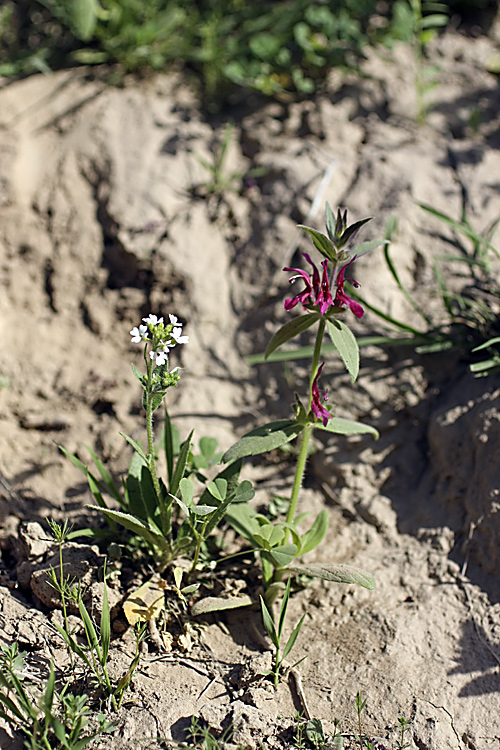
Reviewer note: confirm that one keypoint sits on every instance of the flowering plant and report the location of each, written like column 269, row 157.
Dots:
column 163, row 513
column 324, row 302
column 171, row 516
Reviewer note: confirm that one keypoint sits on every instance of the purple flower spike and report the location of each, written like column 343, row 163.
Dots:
column 317, row 407
column 341, row 298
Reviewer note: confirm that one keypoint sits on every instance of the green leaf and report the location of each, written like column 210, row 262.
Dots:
column 315, row 534
column 106, row 476
column 345, row 343
column 74, row 460
column 170, row 441
column 459, row 227
column 218, row 489
column 90, row 630
column 105, row 622
column 486, row 344
column 243, row 519
column 136, row 526
column 321, row 242
column 186, row 487
column 264, row 439
column 203, row 510
column 94, row 488
column 291, row 641
column 283, row 609
column 347, row 427
column 269, row 536
column 208, row 446
column 366, row 247
column 84, row 17
column 180, row 466
column 244, row 492
column 291, row 329
column 283, row 555
column 330, row 222
column 48, row 697
column 353, row 229
column 433, row 21
column 336, row 572
column 269, row 624
column 136, row 446
column 219, row 603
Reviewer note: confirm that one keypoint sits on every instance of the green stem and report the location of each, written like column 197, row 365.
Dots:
column 315, row 358
column 63, row 600
column 306, row 434
column 149, row 429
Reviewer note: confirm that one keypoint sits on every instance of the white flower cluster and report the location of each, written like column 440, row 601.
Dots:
column 172, row 336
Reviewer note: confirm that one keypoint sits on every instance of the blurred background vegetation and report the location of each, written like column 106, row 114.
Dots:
column 280, row 48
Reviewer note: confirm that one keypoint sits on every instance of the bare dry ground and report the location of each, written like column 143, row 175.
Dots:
column 100, row 225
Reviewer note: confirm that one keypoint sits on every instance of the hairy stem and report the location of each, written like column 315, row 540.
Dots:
column 306, row 434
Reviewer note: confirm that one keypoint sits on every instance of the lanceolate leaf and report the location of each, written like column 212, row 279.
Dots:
column 181, row 464
column 136, row 446
column 291, row 641
column 352, row 231
column 316, row 533
column 336, row 572
column 136, row 526
column 347, row 427
column 264, row 439
column 345, row 343
column 269, row 624
column 321, row 242
column 290, row 330
column 218, row 603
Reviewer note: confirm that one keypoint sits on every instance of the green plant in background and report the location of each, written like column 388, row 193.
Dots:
column 418, row 22
column 471, row 321
column 283, row 48
column 50, row 719
column 276, row 633
column 219, row 180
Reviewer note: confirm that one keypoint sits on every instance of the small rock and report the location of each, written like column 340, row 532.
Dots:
column 33, row 541
column 80, row 564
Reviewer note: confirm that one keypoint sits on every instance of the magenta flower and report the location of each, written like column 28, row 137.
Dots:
column 317, row 407
column 318, row 291
column 341, row 298
column 324, row 298
column 312, row 285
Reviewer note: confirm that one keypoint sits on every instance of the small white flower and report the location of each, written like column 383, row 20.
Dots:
column 139, row 334
column 173, row 320
column 178, row 337
column 159, row 357
column 153, row 320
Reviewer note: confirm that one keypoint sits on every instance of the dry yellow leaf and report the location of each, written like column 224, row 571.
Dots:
column 146, row 603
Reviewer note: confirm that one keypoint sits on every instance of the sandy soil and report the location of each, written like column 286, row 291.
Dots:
column 102, row 221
